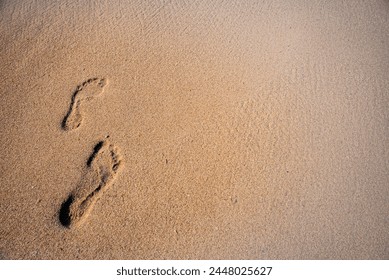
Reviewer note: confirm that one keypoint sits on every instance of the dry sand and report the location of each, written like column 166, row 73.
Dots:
column 244, row 129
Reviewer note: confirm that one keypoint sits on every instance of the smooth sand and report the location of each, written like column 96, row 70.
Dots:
column 245, row 129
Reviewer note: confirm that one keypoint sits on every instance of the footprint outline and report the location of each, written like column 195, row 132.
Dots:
column 84, row 92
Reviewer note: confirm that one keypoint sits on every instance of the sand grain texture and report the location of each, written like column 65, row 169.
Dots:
column 249, row 129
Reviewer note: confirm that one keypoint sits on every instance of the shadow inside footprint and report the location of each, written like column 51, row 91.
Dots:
column 64, row 212
column 96, row 149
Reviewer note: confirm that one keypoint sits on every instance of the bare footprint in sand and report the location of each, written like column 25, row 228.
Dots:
column 84, row 92
column 102, row 168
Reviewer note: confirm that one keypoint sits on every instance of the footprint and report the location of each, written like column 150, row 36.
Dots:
column 102, row 168
column 84, row 92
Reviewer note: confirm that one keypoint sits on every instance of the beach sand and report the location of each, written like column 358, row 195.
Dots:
column 194, row 129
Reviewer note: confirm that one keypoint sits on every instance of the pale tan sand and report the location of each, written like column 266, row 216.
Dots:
column 247, row 129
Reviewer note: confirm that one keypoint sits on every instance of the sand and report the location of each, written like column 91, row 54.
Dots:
column 194, row 129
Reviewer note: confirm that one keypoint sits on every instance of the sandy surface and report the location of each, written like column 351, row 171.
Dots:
column 236, row 129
